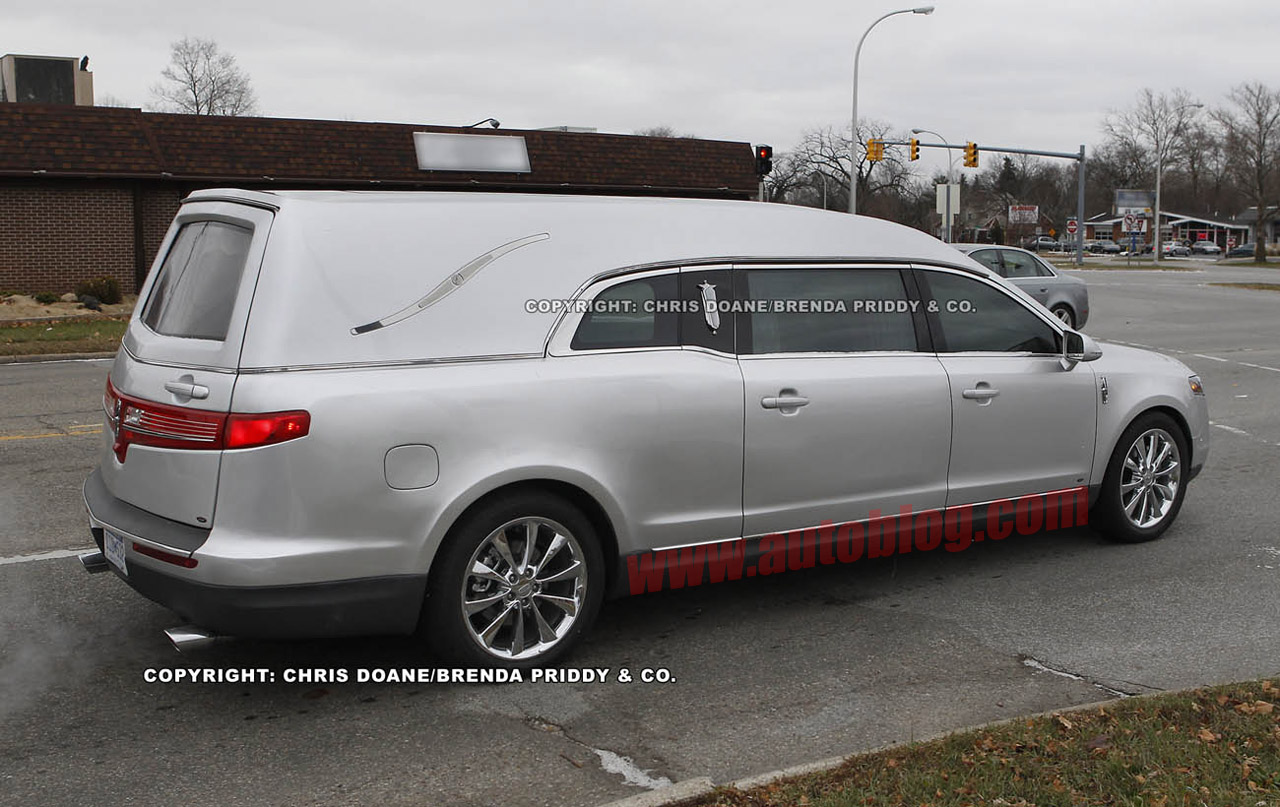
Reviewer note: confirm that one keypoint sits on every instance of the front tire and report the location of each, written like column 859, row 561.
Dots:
column 1144, row 486
column 516, row 584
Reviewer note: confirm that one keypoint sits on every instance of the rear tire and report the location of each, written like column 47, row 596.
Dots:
column 516, row 583
column 1064, row 314
column 1145, row 482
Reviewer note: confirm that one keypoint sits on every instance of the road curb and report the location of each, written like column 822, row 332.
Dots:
column 680, row 791
column 693, row 788
column 37, row 358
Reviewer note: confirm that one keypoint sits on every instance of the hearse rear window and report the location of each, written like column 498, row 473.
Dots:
column 198, row 282
column 638, row 313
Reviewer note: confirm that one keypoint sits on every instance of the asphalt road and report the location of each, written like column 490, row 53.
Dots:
column 768, row 672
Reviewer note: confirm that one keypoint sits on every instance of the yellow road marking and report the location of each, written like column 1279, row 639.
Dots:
column 78, row 431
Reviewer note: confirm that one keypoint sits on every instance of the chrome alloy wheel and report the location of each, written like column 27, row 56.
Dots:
column 524, row 588
column 1150, row 477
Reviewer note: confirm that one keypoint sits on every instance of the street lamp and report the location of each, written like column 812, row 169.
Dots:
column 853, row 147
column 951, row 167
column 1160, row 149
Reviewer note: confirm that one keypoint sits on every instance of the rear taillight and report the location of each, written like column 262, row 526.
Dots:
column 111, row 404
column 153, row 424
column 247, row 431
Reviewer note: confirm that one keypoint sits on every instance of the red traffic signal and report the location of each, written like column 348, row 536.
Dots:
column 764, row 159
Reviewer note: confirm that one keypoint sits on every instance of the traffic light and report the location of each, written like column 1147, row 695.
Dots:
column 875, row 150
column 913, row 149
column 971, row 155
column 764, row 159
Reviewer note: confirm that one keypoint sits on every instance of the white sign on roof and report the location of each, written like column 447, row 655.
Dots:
column 439, row 151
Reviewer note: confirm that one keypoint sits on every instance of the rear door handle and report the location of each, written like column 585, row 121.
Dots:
column 784, row 402
column 981, row 393
column 187, row 389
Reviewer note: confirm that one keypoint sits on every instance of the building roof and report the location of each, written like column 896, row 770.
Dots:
column 1250, row 214
column 48, row 140
column 1170, row 217
column 1180, row 218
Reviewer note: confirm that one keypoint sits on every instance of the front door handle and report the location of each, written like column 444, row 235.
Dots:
column 784, row 401
column 186, row 388
column 982, row 393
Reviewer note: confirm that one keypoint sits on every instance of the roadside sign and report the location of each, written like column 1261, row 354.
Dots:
column 1231, row 241
column 1072, row 227
column 1130, row 223
column 1024, row 214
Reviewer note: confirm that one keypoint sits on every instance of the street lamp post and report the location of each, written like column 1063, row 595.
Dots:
column 853, row 147
column 951, row 168
column 1160, row 149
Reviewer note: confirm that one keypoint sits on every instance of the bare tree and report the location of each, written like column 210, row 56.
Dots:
column 1252, row 128
column 203, row 80
column 107, row 99
column 785, row 183
column 661, row 131
column 821, row 165
column 1155, row 123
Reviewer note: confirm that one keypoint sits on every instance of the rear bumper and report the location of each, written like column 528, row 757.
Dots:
column 357, row 607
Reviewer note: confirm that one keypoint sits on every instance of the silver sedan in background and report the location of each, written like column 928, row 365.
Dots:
column 1067, row 297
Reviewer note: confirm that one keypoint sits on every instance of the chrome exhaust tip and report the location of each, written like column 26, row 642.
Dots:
column 94, row 562
column 189, row 637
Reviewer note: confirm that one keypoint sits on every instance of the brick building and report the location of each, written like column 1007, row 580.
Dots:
column 88, row 191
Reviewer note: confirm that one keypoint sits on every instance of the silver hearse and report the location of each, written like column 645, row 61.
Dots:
column 461, row 414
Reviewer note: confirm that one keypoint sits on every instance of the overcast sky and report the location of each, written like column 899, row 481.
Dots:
column 1002, row 72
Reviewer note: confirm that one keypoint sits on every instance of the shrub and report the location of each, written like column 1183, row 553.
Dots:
column 47, row 297
column 106, row 289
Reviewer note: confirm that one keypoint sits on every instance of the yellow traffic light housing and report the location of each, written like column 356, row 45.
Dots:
column 971, row 155
column 875, row 150
column 913, row 149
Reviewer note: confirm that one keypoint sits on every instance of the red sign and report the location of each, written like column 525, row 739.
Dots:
column 1231, row 241
column 1072, row 226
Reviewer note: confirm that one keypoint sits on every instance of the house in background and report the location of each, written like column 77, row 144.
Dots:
column 1174, row 227
column 1249, row 218
column 88, row 191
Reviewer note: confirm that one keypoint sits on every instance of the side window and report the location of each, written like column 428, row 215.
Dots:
column 973, row 316
column 988, row 258
column 635, row 313
column 1019, row 264
column 198, row 282
column 1043, row 269
column 824, row 310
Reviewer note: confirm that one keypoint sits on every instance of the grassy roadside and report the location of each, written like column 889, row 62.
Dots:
column 1251, row 286
column 79, row 336
column 1213, row 746
column 1137, row 266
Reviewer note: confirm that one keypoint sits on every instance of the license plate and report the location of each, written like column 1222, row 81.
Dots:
column 113, row 548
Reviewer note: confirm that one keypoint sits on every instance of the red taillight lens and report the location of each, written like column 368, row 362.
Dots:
column 167, row 557
column 111, row 404
column 247, row 431
column 151, row 424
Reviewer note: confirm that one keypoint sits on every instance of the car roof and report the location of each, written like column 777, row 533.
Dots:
column 967, row 248
column 363, row 255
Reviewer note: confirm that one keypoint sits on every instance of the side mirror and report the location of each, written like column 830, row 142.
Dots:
column 1077, row 347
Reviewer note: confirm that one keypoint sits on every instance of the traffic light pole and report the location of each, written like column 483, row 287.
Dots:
column 1079, row 157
